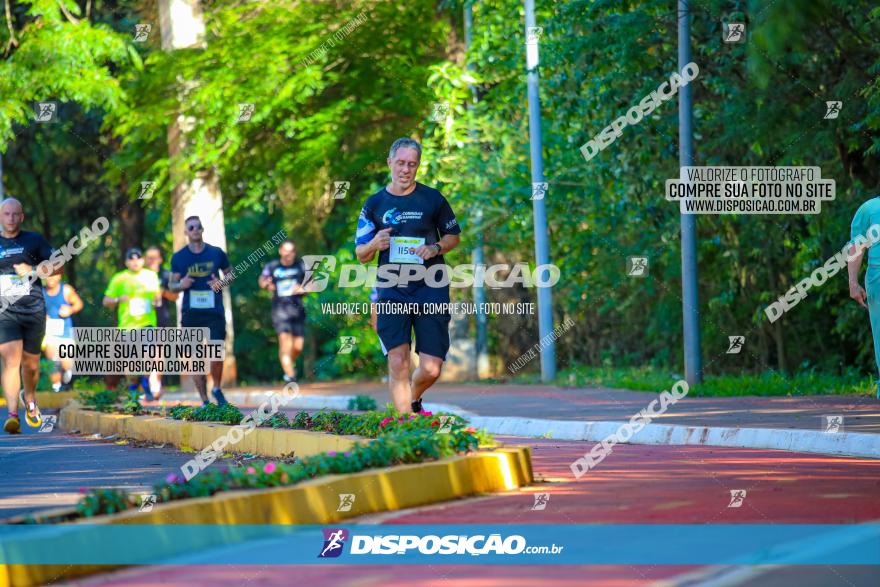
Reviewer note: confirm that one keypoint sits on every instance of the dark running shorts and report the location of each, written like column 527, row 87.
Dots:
column 290, row 318
column 28, row 328
column 215, row 322
column 396, row 328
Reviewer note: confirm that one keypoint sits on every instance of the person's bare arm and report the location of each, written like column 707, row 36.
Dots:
column 856, row 291
column 380, row 242
column 113, row 302
column 176, row 283
column 73, row 299
column 447, row 243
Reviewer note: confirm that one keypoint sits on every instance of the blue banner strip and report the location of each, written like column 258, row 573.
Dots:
column 575, row 544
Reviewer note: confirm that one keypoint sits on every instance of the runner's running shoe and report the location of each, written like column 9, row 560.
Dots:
column 218, row 395
column 417, row 406
column 32, row 415
column 12, row 424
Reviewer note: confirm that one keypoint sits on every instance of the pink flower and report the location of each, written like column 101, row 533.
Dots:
column 384, row 422
column 172, row 478
column 269, row 468
column 251, row 471
column 412, row 416
column 427, row 413
column 331, row 453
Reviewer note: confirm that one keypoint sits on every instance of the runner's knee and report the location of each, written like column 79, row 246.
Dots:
column 430, row 368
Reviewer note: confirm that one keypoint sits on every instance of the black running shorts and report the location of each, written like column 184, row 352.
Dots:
column 395, row 328
column 216, row 323
column 290, row 318
column 28, row 328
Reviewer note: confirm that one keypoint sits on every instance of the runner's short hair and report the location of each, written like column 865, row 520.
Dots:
column 287, row 241
column 190, row 218
column 405, row 143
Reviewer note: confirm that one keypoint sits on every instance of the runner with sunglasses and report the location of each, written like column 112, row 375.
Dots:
column 196, row 270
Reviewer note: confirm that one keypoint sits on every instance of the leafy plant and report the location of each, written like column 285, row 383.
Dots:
column 100, row 400
column 132, row 406
column 362, row 403
column 103, row 501
column 277, row 421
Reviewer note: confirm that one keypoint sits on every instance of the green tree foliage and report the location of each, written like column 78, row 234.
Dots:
column 333, row 83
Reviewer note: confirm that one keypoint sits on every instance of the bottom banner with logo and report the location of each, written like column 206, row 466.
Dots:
column 575, row 544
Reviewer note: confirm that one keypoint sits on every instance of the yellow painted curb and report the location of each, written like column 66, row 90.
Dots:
column 266, row 442
column 50, row 399
column 310, row 502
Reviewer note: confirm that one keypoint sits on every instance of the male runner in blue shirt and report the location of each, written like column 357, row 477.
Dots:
column 407, row 223
column 195, row 270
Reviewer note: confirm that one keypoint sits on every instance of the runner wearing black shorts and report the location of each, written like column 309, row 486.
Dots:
column 195, row 270
column 284, row 278
column 408, row 223
column 22, row 312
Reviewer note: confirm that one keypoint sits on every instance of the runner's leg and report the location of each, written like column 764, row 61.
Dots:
column 285, row 353
column 10, row 356
column 427, row 373
column 398, row 378
column 298, row 344
column 51, row 353
column 31, row 370
column 201, row 383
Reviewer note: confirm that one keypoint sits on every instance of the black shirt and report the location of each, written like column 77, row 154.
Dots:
column 26, row 247
column 201, row 268
column 285, row 278
column 424, row 215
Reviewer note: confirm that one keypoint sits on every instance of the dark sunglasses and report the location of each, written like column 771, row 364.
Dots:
column 192, row 228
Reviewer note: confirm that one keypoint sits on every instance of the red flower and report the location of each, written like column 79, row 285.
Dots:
column 435, row 423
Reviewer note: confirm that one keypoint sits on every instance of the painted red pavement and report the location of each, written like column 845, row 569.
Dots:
column 635, row 484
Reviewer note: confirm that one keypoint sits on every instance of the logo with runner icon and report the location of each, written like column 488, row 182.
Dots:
column 334, row 541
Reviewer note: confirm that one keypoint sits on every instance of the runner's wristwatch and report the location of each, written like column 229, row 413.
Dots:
column 439, row 248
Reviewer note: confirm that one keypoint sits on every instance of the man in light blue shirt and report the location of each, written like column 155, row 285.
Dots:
column 865, row 225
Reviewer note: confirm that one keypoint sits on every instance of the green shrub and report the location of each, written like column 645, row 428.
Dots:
column 181, row 412
column 227, row 414
column 101, row 400
column 132, row 406
column 362, row 403
column 277, row 421
column 103, row 501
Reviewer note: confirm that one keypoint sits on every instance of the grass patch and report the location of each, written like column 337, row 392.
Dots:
column 767, row 384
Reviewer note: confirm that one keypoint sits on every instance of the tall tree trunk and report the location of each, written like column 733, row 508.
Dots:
column 183, row 26
column 131, row 224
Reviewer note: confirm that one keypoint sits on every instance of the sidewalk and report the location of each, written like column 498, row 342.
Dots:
column 861, row 414
column 800, row 424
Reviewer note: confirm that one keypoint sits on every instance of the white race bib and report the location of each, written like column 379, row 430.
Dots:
column 285, row 287
column 201, row 300
column 403, row 249
column 14, row 286
column 55, row 327
column 139, row 306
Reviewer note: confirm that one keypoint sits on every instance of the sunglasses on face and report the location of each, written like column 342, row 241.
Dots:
column 194, row 227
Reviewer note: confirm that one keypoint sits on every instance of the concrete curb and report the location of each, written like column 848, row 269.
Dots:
column 266, row 442
column 310, row 502
column 853, row 444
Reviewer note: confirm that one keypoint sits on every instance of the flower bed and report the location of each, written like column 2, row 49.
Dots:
column 398, row 440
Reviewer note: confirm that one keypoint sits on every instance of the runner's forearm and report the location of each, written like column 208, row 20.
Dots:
column 853, row 266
